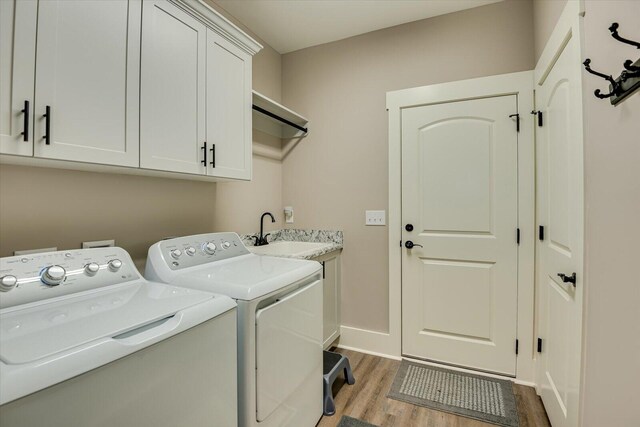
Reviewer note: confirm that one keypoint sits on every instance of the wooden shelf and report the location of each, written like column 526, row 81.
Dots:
column 272, row 126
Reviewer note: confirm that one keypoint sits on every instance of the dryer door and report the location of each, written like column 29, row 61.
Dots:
column 288, row 347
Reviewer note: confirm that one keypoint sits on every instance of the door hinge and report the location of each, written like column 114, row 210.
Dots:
column 517, row 342
column 400, row 243
column 539, row 345
column 517, row 116
column 518, row 235
column 541, row 232
column 539, row 114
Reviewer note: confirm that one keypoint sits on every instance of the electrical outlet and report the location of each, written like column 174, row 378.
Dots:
column 375, row 218
column 98, row 244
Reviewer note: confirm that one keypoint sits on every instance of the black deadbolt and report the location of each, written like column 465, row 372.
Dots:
column 408, row 227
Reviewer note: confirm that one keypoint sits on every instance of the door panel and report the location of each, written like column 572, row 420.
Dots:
column 87, row 71
column 559, row 205
column 17, row 66
column 228, row 108
column 288, row 347
column 172, row 105
column 459, row 190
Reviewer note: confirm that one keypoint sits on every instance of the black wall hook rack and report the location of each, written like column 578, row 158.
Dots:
column 629, row 79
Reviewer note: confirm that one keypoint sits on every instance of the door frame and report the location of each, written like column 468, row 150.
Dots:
column 521, row 85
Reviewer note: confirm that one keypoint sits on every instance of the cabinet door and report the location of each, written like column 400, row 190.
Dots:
column 228, row 108
column 17, row 66
column 87, row 73
column 331, row 306
column 172, row 93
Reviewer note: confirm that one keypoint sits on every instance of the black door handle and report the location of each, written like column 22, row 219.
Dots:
column 213, row 155
column 25, row 129
column 47, row 125
column 408, row 227
column 409, row 244
column 568, row 279
column 204, row 149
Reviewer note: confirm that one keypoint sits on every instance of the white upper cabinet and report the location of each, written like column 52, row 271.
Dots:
column 172, row 96
column 160, row 87
column 228, row 108
column 17, row 65
column 87, row 79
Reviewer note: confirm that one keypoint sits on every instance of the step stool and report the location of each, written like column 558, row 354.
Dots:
column 333, row 364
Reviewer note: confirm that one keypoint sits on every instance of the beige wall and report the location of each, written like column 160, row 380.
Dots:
column 545, row 16
column 340, row 169
column 239, row 205
column 54, row 207
column 612, row 226
column 137, row 211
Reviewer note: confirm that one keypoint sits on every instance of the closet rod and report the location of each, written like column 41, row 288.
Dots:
column 281, row 119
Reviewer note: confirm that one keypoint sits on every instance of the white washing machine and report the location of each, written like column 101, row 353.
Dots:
column 86, row 341
column 279, row 321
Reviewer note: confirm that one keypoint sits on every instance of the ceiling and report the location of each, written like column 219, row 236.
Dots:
column 288, row 25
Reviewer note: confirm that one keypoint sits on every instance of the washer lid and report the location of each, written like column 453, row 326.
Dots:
column 247, row 277
column 37, row 331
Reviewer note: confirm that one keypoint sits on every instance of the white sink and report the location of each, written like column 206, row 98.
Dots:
column 289, row 249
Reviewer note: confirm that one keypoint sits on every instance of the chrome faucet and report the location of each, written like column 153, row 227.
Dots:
column 262, row 240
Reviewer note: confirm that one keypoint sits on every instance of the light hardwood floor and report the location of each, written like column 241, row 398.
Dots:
column 367, row 400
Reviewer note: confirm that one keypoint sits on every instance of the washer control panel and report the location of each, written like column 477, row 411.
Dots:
column 34, row 277
column 189, row 251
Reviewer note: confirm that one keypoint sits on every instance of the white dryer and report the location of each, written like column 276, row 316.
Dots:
column 86, row 341
column 279, row 321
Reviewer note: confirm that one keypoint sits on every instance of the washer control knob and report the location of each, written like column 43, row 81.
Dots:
column 226, row 245
column 209, row 248
column 114, row 265
column 91, row 269
column 176, row 253
column 191, row 251
column 53, row 275
column 7, row 283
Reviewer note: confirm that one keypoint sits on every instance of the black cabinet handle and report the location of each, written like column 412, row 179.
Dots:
column 47, row 125
column 410, row 245
column 204, row 149
column 25, row 129
column 568, row 279
column 213, row 155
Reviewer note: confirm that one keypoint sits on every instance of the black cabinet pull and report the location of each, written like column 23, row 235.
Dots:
column 47, row 125
column 204, row 148
column 213, row 155
column 25, row 129
column 568, row 279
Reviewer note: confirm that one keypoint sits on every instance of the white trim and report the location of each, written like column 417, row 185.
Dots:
column 520, row 84
column 372, row 353
column 366, row 341
column 219, row 24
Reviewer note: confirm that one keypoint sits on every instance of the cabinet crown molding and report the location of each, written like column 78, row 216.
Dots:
column 213, row 19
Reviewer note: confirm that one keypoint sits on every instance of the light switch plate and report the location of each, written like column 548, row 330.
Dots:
column 375, row 218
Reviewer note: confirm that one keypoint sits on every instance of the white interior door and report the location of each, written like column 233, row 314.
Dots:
column 460, row 194
column 560, row 212
column 87, row 73
column 172, row 92
column 228, row 108
column 17, row 66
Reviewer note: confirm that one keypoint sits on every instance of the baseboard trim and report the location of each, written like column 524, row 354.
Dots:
column 369, row 342
column 372, row 353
